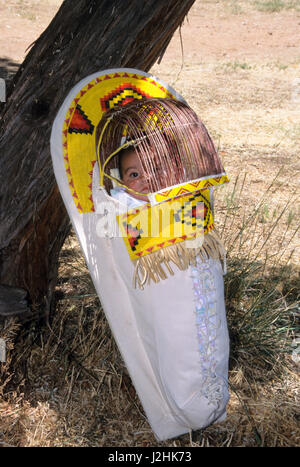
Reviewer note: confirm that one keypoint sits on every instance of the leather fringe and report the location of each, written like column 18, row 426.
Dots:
column 156, row 266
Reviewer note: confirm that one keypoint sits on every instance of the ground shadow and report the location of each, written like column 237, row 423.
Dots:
column 45, row 362
column 262, row 311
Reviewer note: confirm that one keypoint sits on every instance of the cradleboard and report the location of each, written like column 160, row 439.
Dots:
column 172, row 333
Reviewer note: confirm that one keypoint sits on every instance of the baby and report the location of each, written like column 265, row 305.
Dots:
column 132, row 173
column 134, row 177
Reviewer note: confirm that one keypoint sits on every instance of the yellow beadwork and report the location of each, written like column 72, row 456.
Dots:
column 151, row 228
column 94, row 100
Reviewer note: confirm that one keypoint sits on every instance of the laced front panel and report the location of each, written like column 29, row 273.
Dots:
column 207, row 323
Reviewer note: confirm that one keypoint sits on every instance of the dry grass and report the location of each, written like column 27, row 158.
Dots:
column 65, row 384
column 69, row 386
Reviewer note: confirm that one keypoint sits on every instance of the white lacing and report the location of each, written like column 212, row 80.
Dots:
column 207, row 323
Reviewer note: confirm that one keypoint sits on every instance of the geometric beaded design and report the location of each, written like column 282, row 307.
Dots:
column 84, row 113
column 186, row 217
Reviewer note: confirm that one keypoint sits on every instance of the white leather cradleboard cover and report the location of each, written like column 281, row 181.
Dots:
column 176, row 353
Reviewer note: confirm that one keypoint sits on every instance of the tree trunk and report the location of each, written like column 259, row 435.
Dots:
column 85, row 36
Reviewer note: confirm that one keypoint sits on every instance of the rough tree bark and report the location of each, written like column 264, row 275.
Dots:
column 84, row 36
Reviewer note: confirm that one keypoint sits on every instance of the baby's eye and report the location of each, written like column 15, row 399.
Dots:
column 134, row 175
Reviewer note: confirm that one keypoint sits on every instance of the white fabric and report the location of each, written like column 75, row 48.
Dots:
column 126, row 201
column 161, row 319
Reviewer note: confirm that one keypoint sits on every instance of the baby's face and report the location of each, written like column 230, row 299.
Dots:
column 133, row 175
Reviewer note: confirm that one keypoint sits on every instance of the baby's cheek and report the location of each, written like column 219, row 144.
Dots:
column 131, row 183
column 135, row 184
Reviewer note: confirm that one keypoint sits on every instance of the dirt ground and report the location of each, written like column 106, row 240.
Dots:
column 237, row 63
column 225, row 30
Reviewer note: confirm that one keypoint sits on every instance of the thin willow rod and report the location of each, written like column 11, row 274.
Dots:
column 172, row 144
